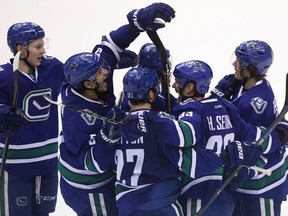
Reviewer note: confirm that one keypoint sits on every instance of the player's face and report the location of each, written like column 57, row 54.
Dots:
column 176, row 86
column 240, row 74
column 101, row 75
column 36, row 51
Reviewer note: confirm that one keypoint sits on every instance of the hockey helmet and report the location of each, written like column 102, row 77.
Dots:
column 23, row 34
column 138, row 81
column 257, row 53
column 83, row 66
column 194, row 70
column 150, row 57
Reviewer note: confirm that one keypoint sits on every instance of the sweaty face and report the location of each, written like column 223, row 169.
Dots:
column 36, row 51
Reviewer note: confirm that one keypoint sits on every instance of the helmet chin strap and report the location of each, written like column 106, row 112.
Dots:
column 26, row 60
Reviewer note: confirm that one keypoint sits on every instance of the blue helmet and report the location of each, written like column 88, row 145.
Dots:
column 23, row 34
column 83, row 66
column 257, row 53
column 194, row 70
column 150, row 57
column 138, row 81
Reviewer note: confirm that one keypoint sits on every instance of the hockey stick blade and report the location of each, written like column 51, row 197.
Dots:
column 260, row 141
column 88, row 112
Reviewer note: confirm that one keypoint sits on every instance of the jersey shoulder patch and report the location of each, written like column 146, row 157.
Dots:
column 89, row 119
column 258, row 104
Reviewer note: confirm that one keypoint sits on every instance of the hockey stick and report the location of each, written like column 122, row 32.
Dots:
column 163, row 53
column 259, row 142
column 267, row 172
column 13, row 108
column 88, row 112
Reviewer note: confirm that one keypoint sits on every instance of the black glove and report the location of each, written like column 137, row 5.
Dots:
column 128, row 59
column 226, row 87
column 144, row 19
column 241, row 153
column 10, row 121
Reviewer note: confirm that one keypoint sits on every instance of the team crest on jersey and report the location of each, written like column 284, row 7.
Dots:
column 165, row 115
column 35, row 106
column 258, row 104
column 89, row 119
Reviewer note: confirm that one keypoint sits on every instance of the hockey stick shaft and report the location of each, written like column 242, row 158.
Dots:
column 259, row 142
column 163, row 53
column 103, row 118
column 13, row 108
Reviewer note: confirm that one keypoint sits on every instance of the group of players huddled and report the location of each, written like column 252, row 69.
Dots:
column 155, row 155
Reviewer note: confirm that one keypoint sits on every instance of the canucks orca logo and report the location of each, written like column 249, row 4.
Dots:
column 258, row 104
column 89, row 119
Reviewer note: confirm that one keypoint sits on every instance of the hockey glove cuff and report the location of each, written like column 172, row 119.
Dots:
column 128, row 59
column 241, row 153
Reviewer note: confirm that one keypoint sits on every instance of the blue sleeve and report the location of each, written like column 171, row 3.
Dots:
column 198, row 162
column 124, row 36
column 182, row 133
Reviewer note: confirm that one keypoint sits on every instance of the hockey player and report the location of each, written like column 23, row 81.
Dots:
column 220, row 124
column 252, row 94
column 149, row 159
column 150, row 57
column 85, row 192
column 93, row 192
column 30, row 180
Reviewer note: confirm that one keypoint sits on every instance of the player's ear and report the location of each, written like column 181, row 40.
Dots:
column 152, row 96
column 190, row 88
column 89, row 85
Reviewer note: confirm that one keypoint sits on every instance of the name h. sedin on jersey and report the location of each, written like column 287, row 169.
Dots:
column 219, row 122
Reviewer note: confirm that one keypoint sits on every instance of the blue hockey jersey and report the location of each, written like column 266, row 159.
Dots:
column 80, row 130
column 258, row 106
column 78, row 136
column 219, row 123
column 149, row 168
column 33, row 149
